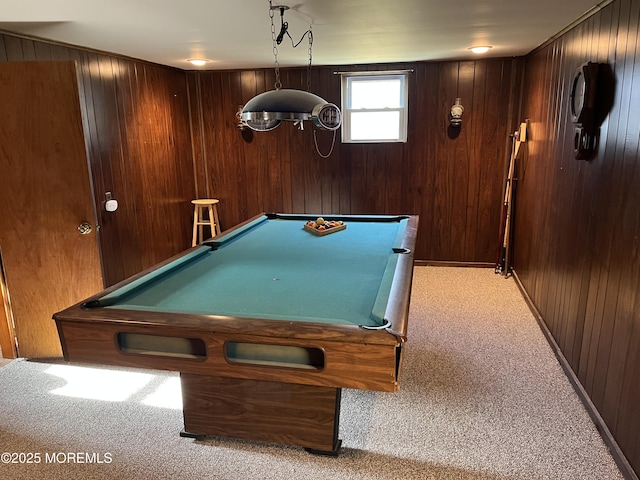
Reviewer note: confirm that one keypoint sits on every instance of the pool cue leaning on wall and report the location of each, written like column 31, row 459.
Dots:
column 502, row 263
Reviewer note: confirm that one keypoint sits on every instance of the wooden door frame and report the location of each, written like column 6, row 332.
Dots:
column 7, row 335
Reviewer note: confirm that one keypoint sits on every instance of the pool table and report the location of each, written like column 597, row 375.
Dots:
column 266, row 323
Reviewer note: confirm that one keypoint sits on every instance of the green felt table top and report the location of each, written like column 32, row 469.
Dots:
column 273, row 269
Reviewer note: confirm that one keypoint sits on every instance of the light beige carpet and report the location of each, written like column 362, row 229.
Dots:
column 482, row 397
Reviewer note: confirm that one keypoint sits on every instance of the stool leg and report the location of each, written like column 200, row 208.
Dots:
column 195, row 226
column 216, row 221
column 200, row 225
column 212, row 223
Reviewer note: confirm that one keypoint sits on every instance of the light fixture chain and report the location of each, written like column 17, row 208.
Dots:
column 310, row 35
column 277, row 85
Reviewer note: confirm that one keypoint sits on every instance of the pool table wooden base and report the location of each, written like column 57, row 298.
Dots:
column 288, row 414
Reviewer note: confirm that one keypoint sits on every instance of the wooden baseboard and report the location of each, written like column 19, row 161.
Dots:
column 617, row 454
column 437, row 263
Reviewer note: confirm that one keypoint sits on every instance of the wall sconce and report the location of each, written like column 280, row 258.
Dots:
column 455, row 115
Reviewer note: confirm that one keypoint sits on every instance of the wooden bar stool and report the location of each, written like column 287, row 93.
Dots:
column 200, row 221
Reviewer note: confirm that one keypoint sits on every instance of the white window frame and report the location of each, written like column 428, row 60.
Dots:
column 347, row 111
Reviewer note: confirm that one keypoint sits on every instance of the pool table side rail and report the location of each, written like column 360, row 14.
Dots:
column 117, row 295
column 235, row 231
column 397, row 311
column 337, row 216
column 177, row 258
column 227, row 324
column 347, row 364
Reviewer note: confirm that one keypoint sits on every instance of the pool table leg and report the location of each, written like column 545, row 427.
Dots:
column 290, row 414
column 195, row 436
column 327, row 453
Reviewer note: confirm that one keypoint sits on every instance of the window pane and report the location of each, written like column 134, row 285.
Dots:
column 376, row 93
column 375, row 125
column 374, row 108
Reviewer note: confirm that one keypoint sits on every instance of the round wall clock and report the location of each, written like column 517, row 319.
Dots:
column 577, row 96
column 583, row 103
column 584, row 95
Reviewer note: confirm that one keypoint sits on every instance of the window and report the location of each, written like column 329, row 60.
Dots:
column 374, row 108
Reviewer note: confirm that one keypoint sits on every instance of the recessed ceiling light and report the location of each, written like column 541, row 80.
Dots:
column 198, row 62
column 480, row 49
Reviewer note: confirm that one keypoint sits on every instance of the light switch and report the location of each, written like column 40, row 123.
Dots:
column 111, row 205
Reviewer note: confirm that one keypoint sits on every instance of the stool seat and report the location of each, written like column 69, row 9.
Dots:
column 200, row 220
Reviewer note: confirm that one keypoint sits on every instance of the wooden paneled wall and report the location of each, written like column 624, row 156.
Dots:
column 140, row 149
column 453, row 182
column 138, row 141
column 577, row 236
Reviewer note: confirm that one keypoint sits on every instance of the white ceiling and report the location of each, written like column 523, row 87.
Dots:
column 236, row 34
